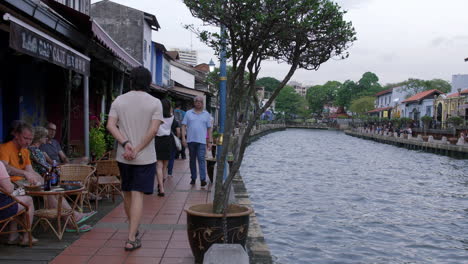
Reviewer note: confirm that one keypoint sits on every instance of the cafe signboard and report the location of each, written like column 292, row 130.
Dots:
column 47, row 48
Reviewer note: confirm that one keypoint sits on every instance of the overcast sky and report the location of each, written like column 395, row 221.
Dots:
column 397, row 39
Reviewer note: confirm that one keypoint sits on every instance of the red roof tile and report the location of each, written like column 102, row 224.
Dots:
column 463, row 92
column 380, row 109
column 421, row 95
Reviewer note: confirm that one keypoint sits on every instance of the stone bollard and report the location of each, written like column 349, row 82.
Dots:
column 402, row 135
column 430, row 139
column 395, row 134
column 419, row 138
column 226, row 254
column 461, row 141
column 444, row 140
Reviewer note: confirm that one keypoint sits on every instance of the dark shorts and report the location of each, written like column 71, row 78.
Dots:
column 138, row 177
column 163, row 147
column 12, row 210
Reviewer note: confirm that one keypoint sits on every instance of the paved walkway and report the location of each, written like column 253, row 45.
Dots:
column 164, row 235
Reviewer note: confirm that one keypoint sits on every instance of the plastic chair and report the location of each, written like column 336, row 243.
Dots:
column 21, row 217
column 108, row 179
column 79, row 173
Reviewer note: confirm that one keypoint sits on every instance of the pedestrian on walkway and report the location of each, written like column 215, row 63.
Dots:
column 196, row 124
column 164, row 145
column 179, row 115
column 134, row 119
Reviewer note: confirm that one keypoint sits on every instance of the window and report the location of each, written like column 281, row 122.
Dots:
column 429, row 110
column 144, row 49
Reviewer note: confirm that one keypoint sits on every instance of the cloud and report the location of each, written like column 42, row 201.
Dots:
column 352, row 4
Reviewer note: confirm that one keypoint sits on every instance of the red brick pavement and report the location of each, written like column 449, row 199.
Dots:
column 164, row 236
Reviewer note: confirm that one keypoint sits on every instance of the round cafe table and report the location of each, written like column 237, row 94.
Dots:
column 61, row 216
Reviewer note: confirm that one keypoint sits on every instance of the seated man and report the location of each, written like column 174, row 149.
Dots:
column 15, row 155
column 52, row 148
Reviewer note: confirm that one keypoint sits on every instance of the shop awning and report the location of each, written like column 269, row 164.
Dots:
column 104, row 39
column 29, row 40
column 380, row 109
column 87, row 25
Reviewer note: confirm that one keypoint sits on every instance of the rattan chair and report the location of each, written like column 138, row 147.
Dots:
column 108, row 179
column 79, row 173
column 21, row 217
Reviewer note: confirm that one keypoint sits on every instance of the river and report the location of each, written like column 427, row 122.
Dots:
column 325, row 197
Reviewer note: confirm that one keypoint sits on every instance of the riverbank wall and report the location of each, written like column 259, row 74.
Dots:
column 257, row 248
column 416, row 143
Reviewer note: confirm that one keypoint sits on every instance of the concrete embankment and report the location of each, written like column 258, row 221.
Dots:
column 436, row 146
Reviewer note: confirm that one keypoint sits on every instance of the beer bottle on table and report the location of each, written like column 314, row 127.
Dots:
column 47, row 178
column 54, row 175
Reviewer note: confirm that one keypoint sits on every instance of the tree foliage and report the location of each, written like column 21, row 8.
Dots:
column 320, row 95
column 414, row 86
column 301, row 33
column 289, row 102
column 269, row 83
column 362, row 105
column 368, row 85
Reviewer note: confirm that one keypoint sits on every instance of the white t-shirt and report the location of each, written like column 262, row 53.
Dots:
column 134, row 111
column 165, row 128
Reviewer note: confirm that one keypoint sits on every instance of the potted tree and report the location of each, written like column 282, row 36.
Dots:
column 309, row 34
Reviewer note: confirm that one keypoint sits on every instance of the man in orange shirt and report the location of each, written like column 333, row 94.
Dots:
column 15, row 155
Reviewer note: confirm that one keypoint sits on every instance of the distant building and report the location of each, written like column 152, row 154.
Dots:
column 129, row 27
column 298, row 87
column 459, row 81
column 188, row 56
column 79, row 5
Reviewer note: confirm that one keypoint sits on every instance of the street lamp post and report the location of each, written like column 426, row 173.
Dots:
column 222, row 95
column 211, row 65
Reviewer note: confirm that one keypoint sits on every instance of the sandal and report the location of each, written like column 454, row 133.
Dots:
column 26, row 244
column 15, row 241
column 81, row 229
column 135, row 244
column 86, row 217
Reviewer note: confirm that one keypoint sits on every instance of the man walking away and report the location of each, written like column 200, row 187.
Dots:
column 197, row 125
column 134, row 118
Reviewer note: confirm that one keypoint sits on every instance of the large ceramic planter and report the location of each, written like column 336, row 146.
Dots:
column 205, row 228
column 453, row 140
column 425, row 138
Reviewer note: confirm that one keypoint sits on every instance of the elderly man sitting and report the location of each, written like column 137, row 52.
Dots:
column 15, row 156
column 53, row 149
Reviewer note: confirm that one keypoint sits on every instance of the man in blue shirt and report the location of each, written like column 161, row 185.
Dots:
column 197, row 126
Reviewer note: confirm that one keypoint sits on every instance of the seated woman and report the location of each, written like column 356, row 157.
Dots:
column 41, row 166
column 7, row 186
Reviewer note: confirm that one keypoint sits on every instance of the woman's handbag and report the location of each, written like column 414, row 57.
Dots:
column 177, row 143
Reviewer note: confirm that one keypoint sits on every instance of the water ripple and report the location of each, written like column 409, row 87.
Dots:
column 324, row 197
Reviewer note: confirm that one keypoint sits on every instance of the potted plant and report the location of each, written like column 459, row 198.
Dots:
column 255, row 31
column 455, row 120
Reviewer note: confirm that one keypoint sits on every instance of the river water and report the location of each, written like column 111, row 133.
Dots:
column 325, row 197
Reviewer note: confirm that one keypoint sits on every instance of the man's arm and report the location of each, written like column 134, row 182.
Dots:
column 63, row 157
column 184, row 131
column 210, row 138
column 29, row 173
column 150, row 134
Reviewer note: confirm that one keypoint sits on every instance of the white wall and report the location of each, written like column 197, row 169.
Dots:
column 182, row 77
column 166, row 75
